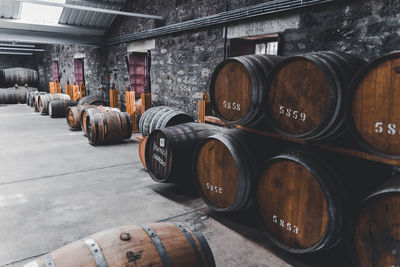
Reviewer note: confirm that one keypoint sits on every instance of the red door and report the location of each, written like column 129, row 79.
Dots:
column 55, row 71
column 78, row 70
column 138, row 73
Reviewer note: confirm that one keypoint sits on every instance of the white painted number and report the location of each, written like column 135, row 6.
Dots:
column 213, row 188
column 286, row 225
column 231, row 105
column 390, row 128
column 294, row 114
column 378, row 127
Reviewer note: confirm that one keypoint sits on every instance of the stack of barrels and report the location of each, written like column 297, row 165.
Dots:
column 15, row 95
column 306, row 200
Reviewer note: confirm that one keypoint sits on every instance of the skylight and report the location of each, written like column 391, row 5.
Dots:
column 41, row 14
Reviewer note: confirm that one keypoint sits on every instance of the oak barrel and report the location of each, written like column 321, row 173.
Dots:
column 305, row 96
column 238, row 86
column 375, row 234
column 20, row 76
column 90, row 109
column 160, row 117
column 58, row 108
column 74, row 116
column 35, row 100
column 107, row 126
column 29, row 96
column 9, row 96
column 225, row 166
column 44, row 101
column 373, row 106
column 169, row 151
column 156, row 244
column 92, row 100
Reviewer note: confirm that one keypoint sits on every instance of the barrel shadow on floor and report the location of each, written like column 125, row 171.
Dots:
column 179, row 194
column 246, row 224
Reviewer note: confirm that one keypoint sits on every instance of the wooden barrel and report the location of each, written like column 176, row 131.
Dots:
column 106, row 126
column 373, row 106
column 90, row 109
column 44, row 101
column 238, row 86
column 29, row 96
column 58, row 108
column 35, row 100
column 92, row 100
column 169, row 151
column 22, row 94
column 9, row 96
column 74, row 116
column 142, row 150
column 305, row 98
column 375, row 234
column 20, row 76
column 300, row 202
column 155, row 244
column 155, row 118
column 225, row 166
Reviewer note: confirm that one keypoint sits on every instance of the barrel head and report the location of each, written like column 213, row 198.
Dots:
column 292, row 205
column 375, row 106
column 298, row 99
column 159, row 156
column 232, row 91
column 217, row 174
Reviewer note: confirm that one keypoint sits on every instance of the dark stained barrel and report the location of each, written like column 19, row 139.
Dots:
column 376, row 233
column 87, row 110
column 92, row 100
column 225, row 166
column 238, row 86
column 305, row 96
column 58, row 108
column 169, row 151
column 20, row 76
column 9, row 96
column 153, row 244
column 44, row 101
column 373, row 106
column 304, row 197
column 160, row 117
column 106, row 126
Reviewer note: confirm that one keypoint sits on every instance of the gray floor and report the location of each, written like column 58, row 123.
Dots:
column 55, row 188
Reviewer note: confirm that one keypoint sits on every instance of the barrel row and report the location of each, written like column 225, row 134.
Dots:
column 153, row 244
column 15, row 95
column 20, row 76
column 304, row 198
column 45, row 99
column 317, row 96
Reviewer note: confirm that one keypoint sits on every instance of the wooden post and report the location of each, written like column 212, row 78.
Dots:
column 146, row 101
column 204, row 108
column 114, row 98
column 82, row 91
column 131, row 107
column 68, row 90
column 57, row 87
column 75, row 90
column 51, row 87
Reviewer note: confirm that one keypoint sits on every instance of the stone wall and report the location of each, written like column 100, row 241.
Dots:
column 15, row 61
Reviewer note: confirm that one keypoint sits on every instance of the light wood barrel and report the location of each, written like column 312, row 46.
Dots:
column 169, row 151
column 106, row 126
column 305, row 96
column 160, row 117
column 373, row 106
column 238, row 86
column 74, row 116
column 35, row 100
column 156, row 244
column 90, row 109
column 376, row 233
column 44, row 101
column 58, row 108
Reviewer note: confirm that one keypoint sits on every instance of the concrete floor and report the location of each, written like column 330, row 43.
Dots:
column 55, row 188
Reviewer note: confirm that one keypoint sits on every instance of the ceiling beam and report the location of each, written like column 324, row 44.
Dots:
column 17, row 45
column 17, row 53
column 58, row 28
column 22, row 49
column 92, row 9
column 102, row 2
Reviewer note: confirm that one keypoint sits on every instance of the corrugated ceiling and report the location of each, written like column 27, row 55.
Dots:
column 10, row 9
column 88, row 18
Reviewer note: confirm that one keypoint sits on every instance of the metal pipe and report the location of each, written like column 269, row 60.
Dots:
column 265, row 8
column 92, row 9
column 16, row 53
column 22, row 49
column 17, row 45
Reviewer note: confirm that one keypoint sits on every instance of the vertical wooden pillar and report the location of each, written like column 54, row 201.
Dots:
column 146, row 101
column 131, row 107
column 114, row 98
column 68, row 90
column 82, row 91
column 51, row 87
column 57, row 87
column 76, row 93
column 204, row 109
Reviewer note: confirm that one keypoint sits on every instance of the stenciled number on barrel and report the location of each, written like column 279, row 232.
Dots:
column 288, row 226
column 294, row 114
column 213, row 188
column 390, row 128
column 231, row 105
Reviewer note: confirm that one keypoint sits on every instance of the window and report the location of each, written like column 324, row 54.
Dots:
column 139, row 72
column 55, row 71
column 78, row 70
column 263, row 44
